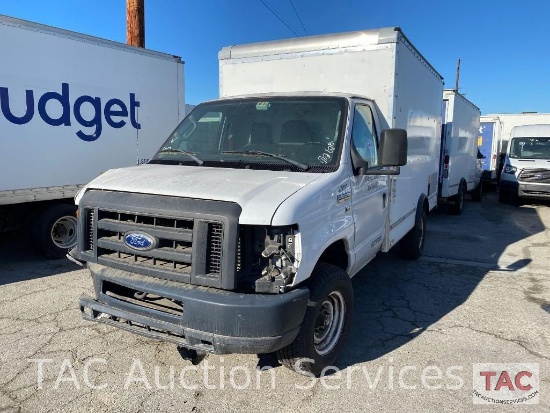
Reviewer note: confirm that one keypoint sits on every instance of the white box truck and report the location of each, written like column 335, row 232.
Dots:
column 243, row 231
column 460, row 169
column 71, row 107
column 489, row 144
column 510, row 120
column 526, row 172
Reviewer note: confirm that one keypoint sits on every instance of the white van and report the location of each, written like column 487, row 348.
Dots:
column 526, row 172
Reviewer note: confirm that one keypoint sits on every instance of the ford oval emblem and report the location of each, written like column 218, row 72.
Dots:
column 140, row 241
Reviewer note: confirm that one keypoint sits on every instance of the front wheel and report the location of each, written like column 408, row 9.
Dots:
column 325, row 325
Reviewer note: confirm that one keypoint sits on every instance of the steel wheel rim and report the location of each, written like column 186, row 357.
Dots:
column 63, row 232
column 329, row 323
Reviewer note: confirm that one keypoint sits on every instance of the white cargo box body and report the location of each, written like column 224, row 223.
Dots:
column 381, row 65
column 511, row 120
column 74, row 106
column 459, row 144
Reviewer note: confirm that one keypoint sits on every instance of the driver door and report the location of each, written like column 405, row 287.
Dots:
column 369, row 192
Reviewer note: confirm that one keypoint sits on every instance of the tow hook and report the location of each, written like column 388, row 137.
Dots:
column 194, row 356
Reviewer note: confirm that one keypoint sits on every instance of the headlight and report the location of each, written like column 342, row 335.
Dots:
column 509, row 169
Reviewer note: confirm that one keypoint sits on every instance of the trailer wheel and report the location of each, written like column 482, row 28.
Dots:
column 412, row 245
column 54, row 230
column 458, row 206
column 325, row 325
column 477, row 193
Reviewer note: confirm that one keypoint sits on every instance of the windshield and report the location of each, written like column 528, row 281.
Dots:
column 530, row 148
column 283, row 133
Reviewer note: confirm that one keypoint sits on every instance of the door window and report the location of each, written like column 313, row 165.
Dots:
column 364, row 135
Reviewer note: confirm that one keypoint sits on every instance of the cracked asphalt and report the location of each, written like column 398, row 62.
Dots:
column 480, row 294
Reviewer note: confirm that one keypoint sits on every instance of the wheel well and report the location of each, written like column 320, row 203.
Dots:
column 336, row 254
column 426, row 205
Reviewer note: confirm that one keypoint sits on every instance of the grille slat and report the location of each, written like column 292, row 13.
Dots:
column 174, row 234
column 170, row 254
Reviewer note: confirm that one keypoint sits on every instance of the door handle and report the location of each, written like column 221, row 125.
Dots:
column 383, row 200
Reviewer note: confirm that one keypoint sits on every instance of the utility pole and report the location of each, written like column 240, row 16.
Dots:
column 457, row 75
column 135, row 23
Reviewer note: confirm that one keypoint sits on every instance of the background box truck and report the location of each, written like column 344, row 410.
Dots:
column 490, row 142
column 459, row 170
column 71, row 107
column 510, row 120
column 526, row 172
column 242, row 232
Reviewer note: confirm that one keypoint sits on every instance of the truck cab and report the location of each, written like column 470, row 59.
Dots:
column 526, row 172
column 279, row 190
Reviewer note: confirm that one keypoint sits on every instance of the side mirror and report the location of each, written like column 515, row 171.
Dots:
column 393, row 147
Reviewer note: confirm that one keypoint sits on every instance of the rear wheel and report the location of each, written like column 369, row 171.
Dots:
column 54, row 230
column 412, row 244
column 326, row 322
column 477, row 193
column 458, row 205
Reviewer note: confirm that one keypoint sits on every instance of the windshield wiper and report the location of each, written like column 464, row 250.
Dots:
column 175, row 150
column 271, row 155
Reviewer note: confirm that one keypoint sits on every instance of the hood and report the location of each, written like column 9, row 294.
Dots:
column 259, row 193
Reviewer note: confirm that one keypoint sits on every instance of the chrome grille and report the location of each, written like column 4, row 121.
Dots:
column 539, row 176
column 180, row 239
column 173, row 255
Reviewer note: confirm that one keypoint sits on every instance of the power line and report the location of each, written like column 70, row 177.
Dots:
column 280, row 18
column 299, row 18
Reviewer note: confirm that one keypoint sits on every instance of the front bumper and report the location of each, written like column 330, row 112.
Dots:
column 508, row 187
column 538, row 191
column 525, row 190
column 210, row 320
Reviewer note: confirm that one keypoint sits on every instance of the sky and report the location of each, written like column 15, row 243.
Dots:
column 504, row 46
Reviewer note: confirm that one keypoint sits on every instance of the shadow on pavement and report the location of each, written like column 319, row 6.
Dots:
column 20, row 262
column 396, row 300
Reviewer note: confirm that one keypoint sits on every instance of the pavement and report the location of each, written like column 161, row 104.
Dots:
column 472, row 315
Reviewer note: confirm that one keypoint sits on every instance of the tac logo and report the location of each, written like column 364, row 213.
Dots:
column 501, row 383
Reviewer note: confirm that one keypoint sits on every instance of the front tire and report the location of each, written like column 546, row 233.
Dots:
column 54, row 230
column 326, row 322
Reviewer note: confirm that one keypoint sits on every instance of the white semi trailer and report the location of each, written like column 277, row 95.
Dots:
column 71, row 107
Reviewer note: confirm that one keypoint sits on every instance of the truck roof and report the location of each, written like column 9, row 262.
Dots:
column 450, row 92
column 356, row 39
column 531, row 131
column 289, row 94
column 55, row 31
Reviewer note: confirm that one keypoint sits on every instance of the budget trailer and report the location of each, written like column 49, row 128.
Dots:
column 71, row 107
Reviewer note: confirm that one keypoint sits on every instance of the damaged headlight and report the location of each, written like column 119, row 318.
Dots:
column 274, row 253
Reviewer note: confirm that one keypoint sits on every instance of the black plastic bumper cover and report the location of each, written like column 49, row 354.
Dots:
column 212, row 320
